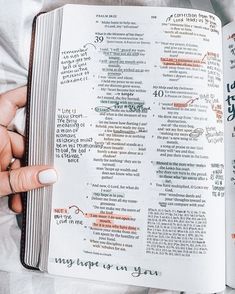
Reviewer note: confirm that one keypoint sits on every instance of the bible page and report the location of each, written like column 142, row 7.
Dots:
column 139, row 148
column 229, row 126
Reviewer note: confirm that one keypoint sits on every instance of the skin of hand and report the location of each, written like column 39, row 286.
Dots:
column 12, row 145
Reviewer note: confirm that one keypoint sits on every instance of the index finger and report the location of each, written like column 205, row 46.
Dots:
column 9, row 103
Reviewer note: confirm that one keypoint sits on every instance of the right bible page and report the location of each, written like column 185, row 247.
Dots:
column 229, row 124
column 139, row 148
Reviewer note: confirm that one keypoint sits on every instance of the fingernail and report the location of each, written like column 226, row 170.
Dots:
column 48, row 176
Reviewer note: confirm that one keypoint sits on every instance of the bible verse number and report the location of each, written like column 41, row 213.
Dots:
column 99, row 39
column 158, row 93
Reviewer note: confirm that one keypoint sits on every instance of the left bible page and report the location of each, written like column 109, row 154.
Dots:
column 138, row 148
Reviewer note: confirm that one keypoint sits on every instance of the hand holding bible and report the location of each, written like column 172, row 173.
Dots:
column 14, row 178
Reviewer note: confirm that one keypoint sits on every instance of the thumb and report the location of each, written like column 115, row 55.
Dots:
column 26, row 178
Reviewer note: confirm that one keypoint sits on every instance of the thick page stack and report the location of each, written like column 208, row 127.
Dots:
column 127, row 104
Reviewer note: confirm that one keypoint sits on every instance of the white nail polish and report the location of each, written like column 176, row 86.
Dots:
column 48, row 176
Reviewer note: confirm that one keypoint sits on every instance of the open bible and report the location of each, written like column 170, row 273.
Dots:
column 129, row 104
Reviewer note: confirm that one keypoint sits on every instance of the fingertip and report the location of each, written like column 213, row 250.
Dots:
column 10, row 101
column 47, row 176
column 15, row 203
